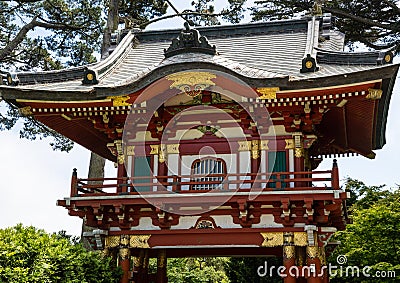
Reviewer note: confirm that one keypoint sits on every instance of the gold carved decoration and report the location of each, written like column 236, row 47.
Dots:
column 268, row 92
column 139, row 241
column 300, row 239
column 272, row 239
column 120, row 100
column 374, row 94
column 244, row 145
column 191, row 83
column 289, row 252
column 124, row 240
column 312, row 251
column 162, row 258
column 154, row 149
column 25, row 111
column 255, row 146
column 130, row 150
column 289, row 144
column 162, row 154
column 112, row 241
column 299, row 152
column 264, row 145
column 173, row 148
column 124, row 253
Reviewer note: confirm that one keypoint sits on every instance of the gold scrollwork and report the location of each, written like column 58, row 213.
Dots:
column 289, row 252
column 374, row 94
column 191, row 83
column 120, row 100
column 124, row 240
column 268, row 92
column 139, row 241
column 321, row 255
column 300, row 239
column 272, row 239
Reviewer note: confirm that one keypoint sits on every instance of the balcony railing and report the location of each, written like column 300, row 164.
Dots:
column 309, row 180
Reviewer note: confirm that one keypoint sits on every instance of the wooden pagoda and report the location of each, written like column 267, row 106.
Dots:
column 217, row 133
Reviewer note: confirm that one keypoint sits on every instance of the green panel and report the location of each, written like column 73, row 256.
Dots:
column 277, row 163
column 142, row 169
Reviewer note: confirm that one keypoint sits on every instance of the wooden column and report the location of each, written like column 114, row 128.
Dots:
column 313, row 260
column 138, row 266
column 161, row 276
column 124, row 263
column 144, row 274
column 289, row 257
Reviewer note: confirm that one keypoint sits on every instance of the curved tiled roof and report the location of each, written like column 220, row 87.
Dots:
column 263, row 51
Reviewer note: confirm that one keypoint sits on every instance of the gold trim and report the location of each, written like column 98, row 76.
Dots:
column 120, row 100
column 299, row 152
column 272, row 239
column 388, row 58
column 124, row 253
column 255, row 146
column 139, row 241
column 374, row 94
column 329, row 88
column 112, row 241
column 154, row 149
column 289, row 252
column 289, row 144
column 268, row 92
column 130, row 150
column 300, row 239
column 312, row 252
column 65, row 102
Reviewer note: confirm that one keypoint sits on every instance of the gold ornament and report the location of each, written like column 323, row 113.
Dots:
column 268, row 92
column 272, row 239
column 139, row 241
column 191, row 83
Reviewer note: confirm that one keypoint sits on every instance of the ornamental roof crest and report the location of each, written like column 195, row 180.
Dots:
column 189, row 40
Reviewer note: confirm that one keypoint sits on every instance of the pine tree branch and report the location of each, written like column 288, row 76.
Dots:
column 366, row 21
column 185, row 13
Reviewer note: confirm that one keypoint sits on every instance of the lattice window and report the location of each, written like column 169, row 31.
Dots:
column 206, row 167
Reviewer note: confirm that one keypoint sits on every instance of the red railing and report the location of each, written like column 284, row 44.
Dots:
column 309, row 180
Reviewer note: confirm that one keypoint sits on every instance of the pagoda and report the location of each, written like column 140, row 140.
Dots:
column 217, row 133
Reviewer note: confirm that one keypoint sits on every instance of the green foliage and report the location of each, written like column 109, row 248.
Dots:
column 244, row 269
column 374, row 23
column 31, row 255
column 197, row 270
column 139, row 12
column 372, row 239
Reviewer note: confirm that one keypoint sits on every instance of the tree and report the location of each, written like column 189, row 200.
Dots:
column 244, row 269
column 374, row 23
column 31, row 255
column 372, row 239
column 195, row 270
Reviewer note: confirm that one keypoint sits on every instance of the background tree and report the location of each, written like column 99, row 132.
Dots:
column 372, row 239
column 244, row 269
column 374, row 22
column 31, row 255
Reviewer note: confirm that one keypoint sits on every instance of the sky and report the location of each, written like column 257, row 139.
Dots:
column 33, row 176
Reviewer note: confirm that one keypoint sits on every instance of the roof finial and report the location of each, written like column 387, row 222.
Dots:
column 317, row 8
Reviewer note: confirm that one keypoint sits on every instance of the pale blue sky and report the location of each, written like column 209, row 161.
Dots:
column 33, row 177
